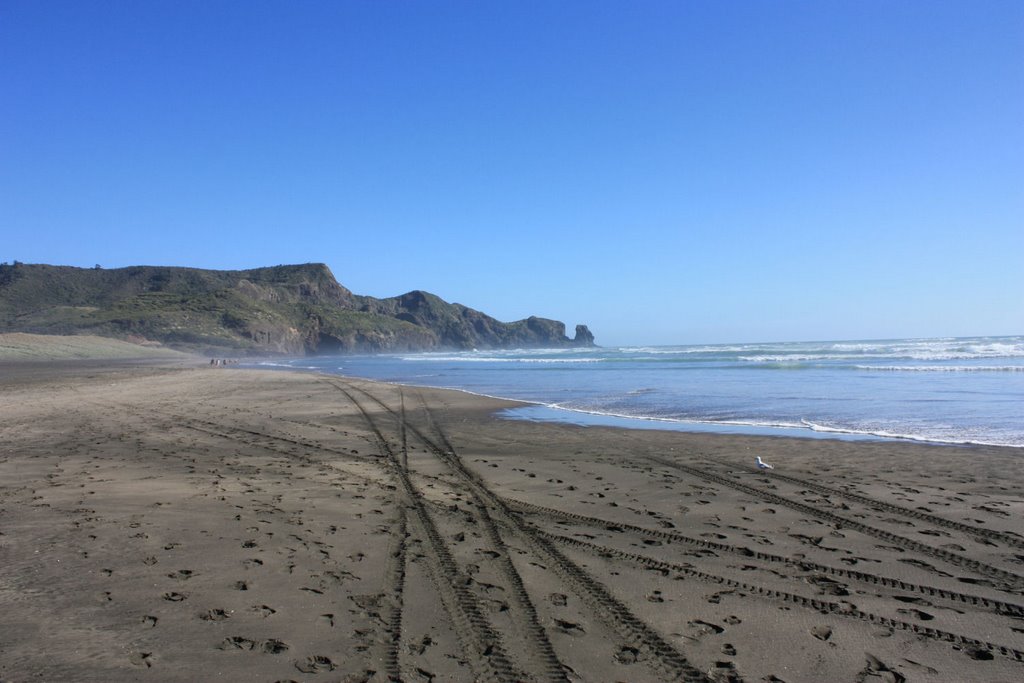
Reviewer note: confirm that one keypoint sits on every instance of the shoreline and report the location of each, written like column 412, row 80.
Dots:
column 736, row 428
column 174, row 522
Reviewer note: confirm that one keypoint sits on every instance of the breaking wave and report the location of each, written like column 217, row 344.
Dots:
column 942, row 368
column 950, row 391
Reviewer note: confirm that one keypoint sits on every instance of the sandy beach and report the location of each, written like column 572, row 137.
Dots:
column 166, row 521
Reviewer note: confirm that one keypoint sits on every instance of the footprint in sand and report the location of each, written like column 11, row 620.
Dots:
column 821, row 632
column 558, row 599
column 214, row 615
column 143, row 660
column 237, row 643
column 570, row 627
column 875, row 668
column 263, row 610
column 418, row 648
column 705, row 627
column 315, row 664
column 273, row 646
column 724, row 671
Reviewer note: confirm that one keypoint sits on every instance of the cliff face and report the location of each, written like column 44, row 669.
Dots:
column 460, row 327
column 299, row 309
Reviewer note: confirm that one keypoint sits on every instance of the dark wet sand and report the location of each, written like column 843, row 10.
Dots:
column 185, row 523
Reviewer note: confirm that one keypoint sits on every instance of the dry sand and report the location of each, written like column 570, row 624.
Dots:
column 196, row 523
column 40, row 347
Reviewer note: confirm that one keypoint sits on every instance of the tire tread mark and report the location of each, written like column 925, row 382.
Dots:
column 203, row 426
column 395, row 572
column 665, row 658
column 812, row 603
column 541, row 648
column 478, row 638
column 988, row 534
column 997, row 606
column 1013, row 580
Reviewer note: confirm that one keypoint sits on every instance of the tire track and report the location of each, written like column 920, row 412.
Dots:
column 997, row 606
column 1012, row 580
column 250, row 437
column 394, row 595
column 987, row 534
column 479, row 641
column 660, row 655
column 799, row 600
column 539, row 647
column 214, row 429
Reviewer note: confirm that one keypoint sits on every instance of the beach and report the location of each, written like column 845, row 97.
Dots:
column 170, row 521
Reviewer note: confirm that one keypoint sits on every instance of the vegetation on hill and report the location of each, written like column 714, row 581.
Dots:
column 293, row 309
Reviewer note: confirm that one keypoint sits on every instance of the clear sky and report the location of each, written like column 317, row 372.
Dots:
column 666, row 172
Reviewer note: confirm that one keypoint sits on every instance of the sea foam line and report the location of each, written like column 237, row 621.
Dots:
column 492, row 359
column 802, row 425
column 942, row 368
column 907, row 437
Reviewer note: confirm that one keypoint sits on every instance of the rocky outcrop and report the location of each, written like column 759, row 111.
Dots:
column 584, row 337
column 461, row 327
column 299, row 309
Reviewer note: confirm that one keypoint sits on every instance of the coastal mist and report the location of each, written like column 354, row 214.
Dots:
column 950, row 390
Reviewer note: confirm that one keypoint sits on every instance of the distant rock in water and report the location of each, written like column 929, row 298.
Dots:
column 584, row 337
column 296, row 309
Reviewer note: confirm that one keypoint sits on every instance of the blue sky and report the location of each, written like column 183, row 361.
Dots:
column 667, row 172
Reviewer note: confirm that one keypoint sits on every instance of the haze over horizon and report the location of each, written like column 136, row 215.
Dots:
column 665, row 172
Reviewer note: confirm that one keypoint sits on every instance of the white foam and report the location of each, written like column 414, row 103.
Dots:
column 496, row 359
column 673, row 350
column 784, row 425
column 290, row 366
column 943, row 368
column 881, row 433
column 913, row 349
column 794, row 358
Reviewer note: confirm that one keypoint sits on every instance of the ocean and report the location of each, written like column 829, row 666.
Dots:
column 950, row 390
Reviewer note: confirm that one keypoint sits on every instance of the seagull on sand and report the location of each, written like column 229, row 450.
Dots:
column 762, row 465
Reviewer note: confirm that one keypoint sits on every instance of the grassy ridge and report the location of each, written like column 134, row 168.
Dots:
column 293, row 309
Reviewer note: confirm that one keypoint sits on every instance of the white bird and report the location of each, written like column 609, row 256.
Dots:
column 762, row 465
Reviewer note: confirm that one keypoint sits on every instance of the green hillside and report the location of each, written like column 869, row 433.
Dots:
column 294, row 309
